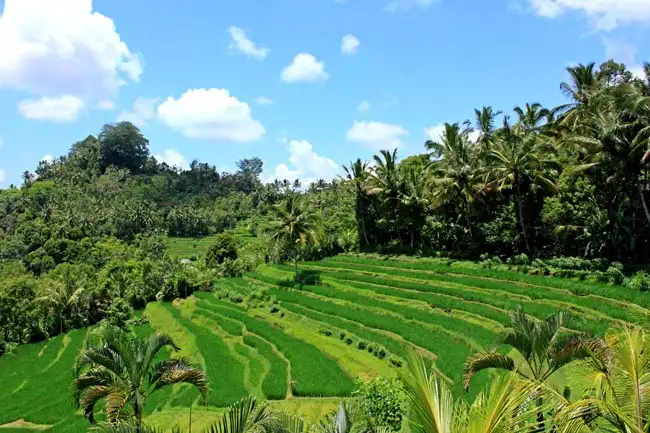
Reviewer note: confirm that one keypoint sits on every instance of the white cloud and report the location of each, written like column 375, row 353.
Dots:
column 307, row 165
column 434, row 133
column 106, row 105
column 263, row 100
column 143, row 110
column 47, row 158
column 60, row 109
column 304, row 68
column 405, row 5
column 377, row 135
column 240, row 42
column 364, row 106
column 61, row 47
column 1, row 142
column 603, row 14
column 173, row 158
column 211, row 114
column 349, row 44
column 3, row 176
column 623, row 52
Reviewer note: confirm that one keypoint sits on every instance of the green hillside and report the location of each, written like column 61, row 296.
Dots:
column 304, row 347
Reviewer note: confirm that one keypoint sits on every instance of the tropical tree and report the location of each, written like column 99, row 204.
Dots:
column 357, row 172
column 385, row 181
column 294, row 227
column 122, row 370
column 520, row 158
column 504, row 408
column 249, row 416
column 619, row 398
column 540, row 349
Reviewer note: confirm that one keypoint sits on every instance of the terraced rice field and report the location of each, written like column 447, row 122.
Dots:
column 306, row 352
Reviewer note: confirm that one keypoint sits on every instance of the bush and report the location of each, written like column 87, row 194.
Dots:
column 225, row 247
column 380, row 353
column 395, row 362
column 348, row 341
column 615, row 274
column 639, row 282
column 362, row 345
column 382, row 401
column 342, row 335
column 119, row 313
column 520, row 260
column 325, row 332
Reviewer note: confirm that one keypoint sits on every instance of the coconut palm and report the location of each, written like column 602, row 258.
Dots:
column 249, row 416
column 540, row 346
column 532, row 116
column 294, row 227
column 385, row 181
column 505, row 408
column 357, row 172
column 121, row 370
column 619, row 399
column 520, row 158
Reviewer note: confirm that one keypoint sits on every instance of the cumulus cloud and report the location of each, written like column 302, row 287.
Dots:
column 377, row 135
column 173, row 158
column 1, row 142
column 3, row 176
column 52, row 48
column 47, row 158
column 211, row 114
column 106, row 105
column 434, row 133
column 240, row 42
column 143, row 110
column 623, row 52
column 59, row 109
column 307, row 165
column 405, row 5
column 349, row 44
column 602, row 14
column 263, row 100
column 364, row 106
column 304, row 68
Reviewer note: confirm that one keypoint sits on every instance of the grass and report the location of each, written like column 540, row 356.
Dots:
column 275, row 384
column 312, row 373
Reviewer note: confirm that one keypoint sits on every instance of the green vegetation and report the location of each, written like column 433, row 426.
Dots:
column 523, row 250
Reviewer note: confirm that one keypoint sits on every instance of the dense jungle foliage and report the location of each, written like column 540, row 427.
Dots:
column 83, row 238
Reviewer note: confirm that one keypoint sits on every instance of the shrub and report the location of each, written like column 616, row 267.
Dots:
column 348, row 341
column 225, row 247
column 325, row 332
column 395, row 362
column 383, row 401
column 520, row 260
column 639, row 282
column 362, row 345
column 274, row 309
column 380, row 353
column 615, row 274
column 342, row 335
column 119, row 313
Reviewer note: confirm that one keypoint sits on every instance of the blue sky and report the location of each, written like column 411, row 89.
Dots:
column 305, row 85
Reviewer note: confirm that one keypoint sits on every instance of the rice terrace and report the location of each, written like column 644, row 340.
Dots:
column 356, row 316
column 324, row 216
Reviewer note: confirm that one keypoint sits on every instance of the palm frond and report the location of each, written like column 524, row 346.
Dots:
column 485, row 360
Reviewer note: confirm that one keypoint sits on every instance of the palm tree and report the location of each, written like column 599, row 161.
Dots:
column 540, row 346
column 505, row 408
column 517, row 158
column 385, row 180
column 294, row 227
column 415, row 198
column 121, row 371
column 484, row 124
column 532, row 116
column 452, row 168
column 62, row 298
column 619, row 399
column 357, row 172
column 249, row 416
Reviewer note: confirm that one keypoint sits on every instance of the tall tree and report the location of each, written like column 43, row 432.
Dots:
column 122, row 370
column 357, row 172
column 294, row 227
column 385, row 181
column 123, row 146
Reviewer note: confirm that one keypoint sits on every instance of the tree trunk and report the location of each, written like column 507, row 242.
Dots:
column 520, row 207
column 295, row 261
